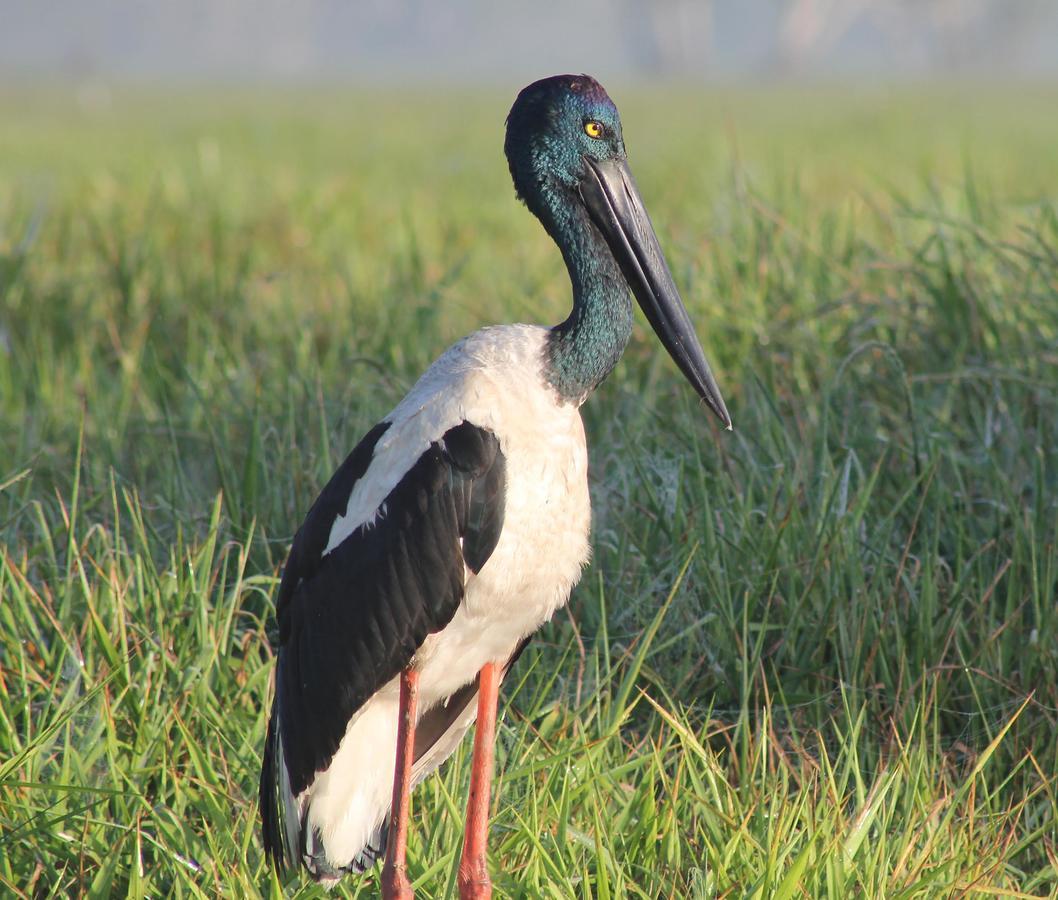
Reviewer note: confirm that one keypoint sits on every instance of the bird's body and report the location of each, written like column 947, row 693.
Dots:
column 460, row 523
column 493, row 380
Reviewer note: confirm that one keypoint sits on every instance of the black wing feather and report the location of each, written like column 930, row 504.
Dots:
column 350, row 621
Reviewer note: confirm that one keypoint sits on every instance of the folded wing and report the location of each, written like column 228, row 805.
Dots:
column 352, row 618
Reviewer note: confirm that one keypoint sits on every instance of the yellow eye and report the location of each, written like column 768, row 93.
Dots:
column 593, row 129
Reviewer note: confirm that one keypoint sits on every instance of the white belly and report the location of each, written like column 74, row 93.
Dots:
column 542, row 548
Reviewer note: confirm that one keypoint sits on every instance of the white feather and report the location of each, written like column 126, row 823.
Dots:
column 492, row 379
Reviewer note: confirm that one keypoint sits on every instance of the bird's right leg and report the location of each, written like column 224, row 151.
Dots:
column 395, row 883
column 474, row 881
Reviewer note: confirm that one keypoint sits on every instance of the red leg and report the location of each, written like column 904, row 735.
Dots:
column 474, row 883
column 395, row 883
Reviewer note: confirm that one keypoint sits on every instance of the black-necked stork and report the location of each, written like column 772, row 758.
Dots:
column 460, row 522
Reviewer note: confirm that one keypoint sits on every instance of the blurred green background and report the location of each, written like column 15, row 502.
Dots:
column 814, row 657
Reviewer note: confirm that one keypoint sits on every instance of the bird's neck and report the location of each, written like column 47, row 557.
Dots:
column 582, row 350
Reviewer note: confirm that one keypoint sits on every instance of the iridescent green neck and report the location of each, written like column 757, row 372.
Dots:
column 583, row 350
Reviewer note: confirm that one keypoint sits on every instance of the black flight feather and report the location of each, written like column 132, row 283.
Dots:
column 351, row 620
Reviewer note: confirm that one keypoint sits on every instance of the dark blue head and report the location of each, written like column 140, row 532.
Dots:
column 567, row 157
column 553, row 126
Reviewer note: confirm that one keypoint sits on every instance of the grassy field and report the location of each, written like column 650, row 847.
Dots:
column 816, row 657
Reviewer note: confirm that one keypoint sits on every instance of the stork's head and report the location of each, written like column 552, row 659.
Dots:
column 566, row 153
column 554, row 126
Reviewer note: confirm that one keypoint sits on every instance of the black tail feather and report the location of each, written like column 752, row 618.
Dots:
column 280, row 824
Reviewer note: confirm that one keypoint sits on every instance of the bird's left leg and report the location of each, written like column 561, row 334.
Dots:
column 474, row 883
column 395, row 883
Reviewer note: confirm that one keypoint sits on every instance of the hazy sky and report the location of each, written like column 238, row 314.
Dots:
column 466, row 40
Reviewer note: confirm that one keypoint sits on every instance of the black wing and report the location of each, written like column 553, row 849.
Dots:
column 350, row 621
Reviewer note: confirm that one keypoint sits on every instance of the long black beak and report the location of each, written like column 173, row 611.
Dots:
column 612, row 199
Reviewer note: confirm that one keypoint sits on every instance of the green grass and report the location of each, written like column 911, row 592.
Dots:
column 816, row 657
